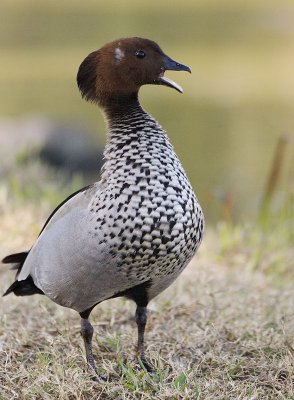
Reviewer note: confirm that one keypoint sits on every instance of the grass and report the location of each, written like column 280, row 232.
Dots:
column 224, row 330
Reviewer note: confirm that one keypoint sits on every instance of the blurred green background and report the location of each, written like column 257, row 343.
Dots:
column 238, row 101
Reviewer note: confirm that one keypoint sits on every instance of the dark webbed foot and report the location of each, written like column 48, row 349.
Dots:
column 145, row 364
column 141, row 320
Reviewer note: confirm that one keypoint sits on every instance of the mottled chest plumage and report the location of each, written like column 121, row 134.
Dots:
column 146, row 211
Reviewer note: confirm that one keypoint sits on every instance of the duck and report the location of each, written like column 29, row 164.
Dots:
column 133, row 232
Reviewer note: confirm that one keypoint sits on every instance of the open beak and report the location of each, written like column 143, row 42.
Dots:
column 171, row 65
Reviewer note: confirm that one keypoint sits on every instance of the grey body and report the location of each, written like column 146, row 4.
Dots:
column 140, row 223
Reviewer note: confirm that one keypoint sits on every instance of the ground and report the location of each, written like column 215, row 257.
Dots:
column 224, row 330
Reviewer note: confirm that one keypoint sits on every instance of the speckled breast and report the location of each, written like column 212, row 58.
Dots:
column 152, row 221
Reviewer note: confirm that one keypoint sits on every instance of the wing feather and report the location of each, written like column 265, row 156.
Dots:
column 78, row 198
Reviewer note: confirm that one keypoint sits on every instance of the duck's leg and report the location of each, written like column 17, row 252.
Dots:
column 87, row 334
column 141, row 320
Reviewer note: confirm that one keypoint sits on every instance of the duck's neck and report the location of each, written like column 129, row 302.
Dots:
column 117, row 107
column 134, row 140
column 126, row 118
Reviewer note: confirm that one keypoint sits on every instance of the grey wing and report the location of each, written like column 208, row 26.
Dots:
column 58, row 234
column 17, row 260
column 77, row 201
column 70, row 262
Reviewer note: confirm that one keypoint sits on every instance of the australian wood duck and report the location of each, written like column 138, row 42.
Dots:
column 132, row 233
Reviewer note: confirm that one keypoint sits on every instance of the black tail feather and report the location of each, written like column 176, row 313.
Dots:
column 23, row 288
column 17, row 258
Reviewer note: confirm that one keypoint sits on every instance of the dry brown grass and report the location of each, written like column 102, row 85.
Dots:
column 224, row 330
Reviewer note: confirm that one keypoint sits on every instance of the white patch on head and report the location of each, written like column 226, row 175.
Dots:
column 119, row 54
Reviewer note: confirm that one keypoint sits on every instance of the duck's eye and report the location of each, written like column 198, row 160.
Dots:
column 140, row 54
